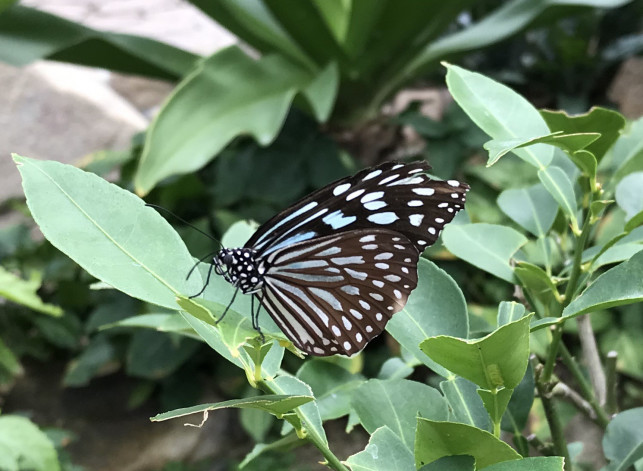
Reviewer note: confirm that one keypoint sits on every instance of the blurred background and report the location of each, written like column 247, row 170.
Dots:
column 80, row 84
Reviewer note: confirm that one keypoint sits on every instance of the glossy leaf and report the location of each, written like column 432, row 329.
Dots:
column 495, row 403
column 385, row 450
column 487, row 246
column 29, row 35
column 537, row 282
column 623, row 440
column 558, row 184
column 24, row 292
column 108, row 231
column 242, row 97
column 26, row 445
column 274, row 404
column 607, row 123
column 435, row 307
column 510, row 311
column 437, row 439
column 485, row 361
column 500, row 112
column 629, row 195
column 533, row 208
column 465, row 405
column 616, row 287
column 396, row 404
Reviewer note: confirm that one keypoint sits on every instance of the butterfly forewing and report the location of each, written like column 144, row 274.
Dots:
column 335, row 293
column 391, row 196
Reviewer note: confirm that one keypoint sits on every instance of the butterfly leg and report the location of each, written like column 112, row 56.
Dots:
column 207, row 281
column 228, row 307
column 255, row 316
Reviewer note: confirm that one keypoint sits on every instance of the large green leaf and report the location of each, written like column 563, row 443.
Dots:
column 629, row 195
column 487, row 246
column 437, row 439
column 616, row 287
column 435, row 307
column 274, row 404
column 533, row 208
column 229, row 94
column 465, row 405
column 560, row 187
column 26, row 445
column 601, row 120
column 538, row 463
column 485, row 361
column 108, row 231
column 23, row 292
column 500, row 112
column 623, row 440
column 385, row 451
column 27, row 35
column 396, row 404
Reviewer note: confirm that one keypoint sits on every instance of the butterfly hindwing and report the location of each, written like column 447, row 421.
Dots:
column 335, row 293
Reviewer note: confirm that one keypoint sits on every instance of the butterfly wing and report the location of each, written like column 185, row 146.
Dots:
column 392, row 196
column 335, row 293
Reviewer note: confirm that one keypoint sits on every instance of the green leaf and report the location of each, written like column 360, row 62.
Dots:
column 587, row 164
column 510, row 311
column 29, row 35
column 537, row 282
column 597, row 208
column 627, row 151
column 522, row 399
column 108, row 231
column 538, row 463
column 275, row 404
column 93, row 357
column 229, row 94
column 465, row 405
column 485, row 361
column 436, row 306
column 500, row 112
column 495, row 403
column 616, row 287
column 395, row 368
column 629, row 196
column 27, row 445
column 487, row 246
column 155, row 355
column 332, row 386
column 396, row 404
column 570, row 143
column 451, row 463
column 607, row 123
column 437, row 439
column 623, row 440
column 24, row 292
column 558, row 184
column 533, row 208
column 385, row 450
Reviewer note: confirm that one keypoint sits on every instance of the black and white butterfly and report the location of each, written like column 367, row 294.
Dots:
column 333, row 268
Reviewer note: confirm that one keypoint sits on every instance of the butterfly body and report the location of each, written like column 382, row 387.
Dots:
column 333, row 268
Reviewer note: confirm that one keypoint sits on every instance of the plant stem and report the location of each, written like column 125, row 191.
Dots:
column 611, row 403
column 553, row 417
column 557, row 334
column 591, row 357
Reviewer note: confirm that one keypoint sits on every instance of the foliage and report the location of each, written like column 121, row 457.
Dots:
column 337, row 60
column 560, row 238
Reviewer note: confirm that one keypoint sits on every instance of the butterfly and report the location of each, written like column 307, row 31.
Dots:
column 334, row 267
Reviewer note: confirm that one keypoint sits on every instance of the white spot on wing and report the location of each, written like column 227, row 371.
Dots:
column 423, row 191
column 388, row 179
column 378, row 283
column 374, row 205
column 455, row 183
column 373, row 174
column 382, row 266
column 347, row 323
column 372, row 196
column 356, row 314
column 377, row 296
column 383, row 256
column 368, row 238
column 354, row 195
column 416, row 219
column 339, row 189
column 383, row 218
column 415, row 203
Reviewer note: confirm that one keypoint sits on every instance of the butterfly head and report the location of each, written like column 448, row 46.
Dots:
column 239, row 268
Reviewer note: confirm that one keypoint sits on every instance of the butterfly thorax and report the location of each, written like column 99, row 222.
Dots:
column 239, row 267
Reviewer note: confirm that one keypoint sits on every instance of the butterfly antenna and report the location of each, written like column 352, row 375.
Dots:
column 200, row 261
column 184, row 222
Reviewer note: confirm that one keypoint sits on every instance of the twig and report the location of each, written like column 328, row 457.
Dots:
column 545, row 449
column 564, row 391
column 592, row 358
column 611, row 403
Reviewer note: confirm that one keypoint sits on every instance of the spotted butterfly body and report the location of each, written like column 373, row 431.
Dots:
column 333, row 268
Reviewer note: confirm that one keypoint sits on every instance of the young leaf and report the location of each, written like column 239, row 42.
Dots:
column 465, row 405
column 274, row 404
column 385, row 450
column 509, row 311
column 533, row 208
column 495, row 403
column 436, row 307
column 396, row 404
column 108, row 231
column 23, row 292
column 500, row 112
column 616, row 287
column 487, row 246
column 558, row 184
column 537, row 282
column 485, row 361
column 607, row 123
column 437, row 439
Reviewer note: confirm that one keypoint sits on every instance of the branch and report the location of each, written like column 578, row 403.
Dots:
column 592, row 358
